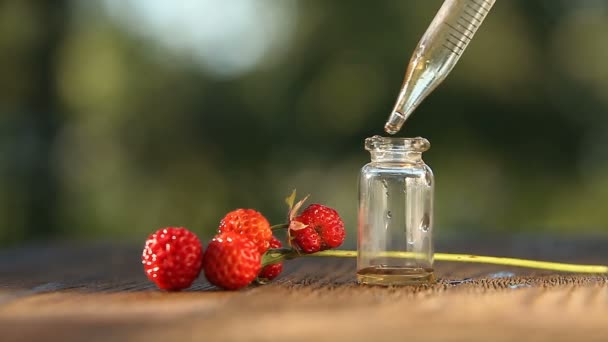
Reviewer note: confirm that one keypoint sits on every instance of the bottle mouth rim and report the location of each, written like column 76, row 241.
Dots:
column 378, row 143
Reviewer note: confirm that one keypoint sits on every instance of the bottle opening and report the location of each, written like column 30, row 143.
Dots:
column 392, row 144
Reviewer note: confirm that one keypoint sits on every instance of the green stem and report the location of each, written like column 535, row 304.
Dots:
column 276, row 255
column 544, row 265
column 280, row 226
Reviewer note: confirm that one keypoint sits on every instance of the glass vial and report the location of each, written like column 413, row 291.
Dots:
column 395, row 243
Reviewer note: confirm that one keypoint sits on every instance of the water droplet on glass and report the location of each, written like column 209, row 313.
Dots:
column 389, row 215
column 425, row 223
column 385, row 183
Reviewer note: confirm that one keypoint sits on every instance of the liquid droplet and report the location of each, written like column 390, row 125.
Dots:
column 410, row 238
column 425, row 223
column 389, row 215
column 385, row 183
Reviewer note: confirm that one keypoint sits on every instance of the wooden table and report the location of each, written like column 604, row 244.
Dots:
column 97, row 292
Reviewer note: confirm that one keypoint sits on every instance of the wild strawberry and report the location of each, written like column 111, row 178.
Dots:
column 307, row 240
column 270, row 272
column 172, row 258
column 231, row 261
column 250, row 224
column 317, row 228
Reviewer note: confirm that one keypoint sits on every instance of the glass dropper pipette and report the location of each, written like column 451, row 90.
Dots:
column 436, row 54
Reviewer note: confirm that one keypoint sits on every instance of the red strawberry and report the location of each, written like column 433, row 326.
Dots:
column 250, row 224
column 172, row 258
column 231, row 261
column 270, row 272
column 318, row 228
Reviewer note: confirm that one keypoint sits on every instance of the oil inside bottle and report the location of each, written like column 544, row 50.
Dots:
column 389, row 276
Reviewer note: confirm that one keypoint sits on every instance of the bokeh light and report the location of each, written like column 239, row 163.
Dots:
column 120, row 117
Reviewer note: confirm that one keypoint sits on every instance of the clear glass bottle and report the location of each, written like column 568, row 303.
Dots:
column 395, row 244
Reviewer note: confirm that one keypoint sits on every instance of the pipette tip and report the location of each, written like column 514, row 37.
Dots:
column 394, row 123
column 388, row 128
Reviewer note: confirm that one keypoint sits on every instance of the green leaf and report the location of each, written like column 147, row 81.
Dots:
column 294, row 210
column 291, row 199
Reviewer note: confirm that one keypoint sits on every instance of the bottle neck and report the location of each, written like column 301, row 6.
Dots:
column 411, row 157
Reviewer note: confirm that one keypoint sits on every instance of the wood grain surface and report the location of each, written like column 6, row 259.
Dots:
column 98, row 292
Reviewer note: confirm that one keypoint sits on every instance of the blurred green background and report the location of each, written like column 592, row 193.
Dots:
column 121, row 117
